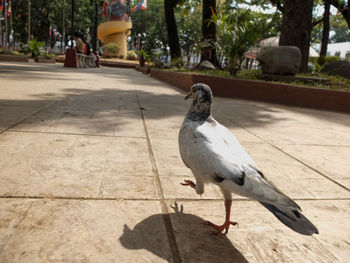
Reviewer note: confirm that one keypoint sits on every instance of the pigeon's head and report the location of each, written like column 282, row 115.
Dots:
column 200, row 93
column 202, row 99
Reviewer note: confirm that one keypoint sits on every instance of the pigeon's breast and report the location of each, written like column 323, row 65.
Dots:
column 186, row 139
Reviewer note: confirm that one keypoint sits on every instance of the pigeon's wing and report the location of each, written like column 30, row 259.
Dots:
column 215, row 152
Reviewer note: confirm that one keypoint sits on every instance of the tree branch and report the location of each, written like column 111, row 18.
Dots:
column 278, row 5
column 315, row 23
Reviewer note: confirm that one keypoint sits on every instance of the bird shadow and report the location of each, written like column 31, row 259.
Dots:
column 194, row 242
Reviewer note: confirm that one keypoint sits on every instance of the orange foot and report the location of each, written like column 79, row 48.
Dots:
column 189, row 182
column 221, row 228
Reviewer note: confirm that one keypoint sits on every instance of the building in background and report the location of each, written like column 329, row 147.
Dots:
column 341, row 50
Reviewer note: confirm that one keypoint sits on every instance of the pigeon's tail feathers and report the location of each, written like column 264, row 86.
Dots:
column 292, row 219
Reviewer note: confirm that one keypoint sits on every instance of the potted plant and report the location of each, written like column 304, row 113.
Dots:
column 143, row 57
column 131, row 55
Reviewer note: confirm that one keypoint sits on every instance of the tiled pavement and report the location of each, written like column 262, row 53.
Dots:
column 90, row 172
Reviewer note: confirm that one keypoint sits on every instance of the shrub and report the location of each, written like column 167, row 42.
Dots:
column 249, row 74
column 236, row 33
column 143, row 57
column 16, row 53
column 131, row 54
column 36, row 48
column 110, row 50
column 319, row 62
column 48, row 55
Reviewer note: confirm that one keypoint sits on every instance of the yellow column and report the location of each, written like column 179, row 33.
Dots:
column 116, row 32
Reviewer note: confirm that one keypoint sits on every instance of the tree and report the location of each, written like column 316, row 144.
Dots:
column 45, row 13
column 296, row 26
column 208, row 51
column 189, row 21
column 325, row 33
column 148, row 27
column 173, row 38
column 340, row 29
column 344, row 8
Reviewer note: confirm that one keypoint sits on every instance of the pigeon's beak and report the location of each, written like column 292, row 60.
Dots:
column 189, row 95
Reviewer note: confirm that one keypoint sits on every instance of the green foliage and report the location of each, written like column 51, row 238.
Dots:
column 339, row 29
column 249, row 74
column 110, row 50
column 48, row 55
column 143, row 57
column 319, row 62
column 10, row 52
column 148, row 27
column 45, row 12
column 131, row 54
column 5, row 51
column 177, row 62
column 34, row 48
column 16, row 53
column 189, row 23
column 143, row 54
column 236, row 33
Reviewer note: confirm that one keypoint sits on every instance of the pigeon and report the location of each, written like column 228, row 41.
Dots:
column 214, row 155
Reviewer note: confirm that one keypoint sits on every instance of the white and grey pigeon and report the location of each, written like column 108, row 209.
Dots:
column 214, row 155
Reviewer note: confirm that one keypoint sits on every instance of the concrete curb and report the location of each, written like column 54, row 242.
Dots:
column 261, row 91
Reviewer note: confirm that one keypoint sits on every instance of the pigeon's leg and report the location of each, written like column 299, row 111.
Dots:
column 198, row 187
column 189, row 183
column 227, row 223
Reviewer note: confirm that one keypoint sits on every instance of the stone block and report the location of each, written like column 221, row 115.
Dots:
column 282, row 60
column 340, row 68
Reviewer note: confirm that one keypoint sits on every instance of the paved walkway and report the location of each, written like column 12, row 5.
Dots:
column 90, row 172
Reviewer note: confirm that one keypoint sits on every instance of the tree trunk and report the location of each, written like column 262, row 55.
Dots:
column 325, row 33
column 346, row 15
column 296, row 28
column 173, row 38
column 209, row 32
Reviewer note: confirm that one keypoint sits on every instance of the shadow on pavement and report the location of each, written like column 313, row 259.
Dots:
column 193, row 239
column 84, row 109
column 103, row 110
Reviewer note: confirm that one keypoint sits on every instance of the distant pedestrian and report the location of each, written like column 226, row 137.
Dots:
column 87, row 47
column 79, row 45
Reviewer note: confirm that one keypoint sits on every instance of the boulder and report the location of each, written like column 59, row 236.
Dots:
column 205, row 65
column 282, row 60
column 341, row 68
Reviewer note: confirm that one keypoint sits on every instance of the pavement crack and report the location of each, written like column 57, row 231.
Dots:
column 159, row 192
column 105, row 169
column 26, row 117
column 76, row 134
column 293, row 157
column 11, row 230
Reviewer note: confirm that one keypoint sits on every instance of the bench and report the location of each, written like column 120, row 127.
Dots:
column 85, row 61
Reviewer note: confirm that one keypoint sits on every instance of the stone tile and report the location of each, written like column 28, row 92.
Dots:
column 168, row 159
column 113, row 122
column 332, row 161
column 307, row 134
column 128, row 187
column 260, row 237
column 172, row 189
column 292, row 177
column 163, row 120
column 83, row 231
column 67, row 165
column 12, row 114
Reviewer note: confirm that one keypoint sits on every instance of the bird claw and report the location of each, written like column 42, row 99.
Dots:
column 188, row 183
column 221, row 228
